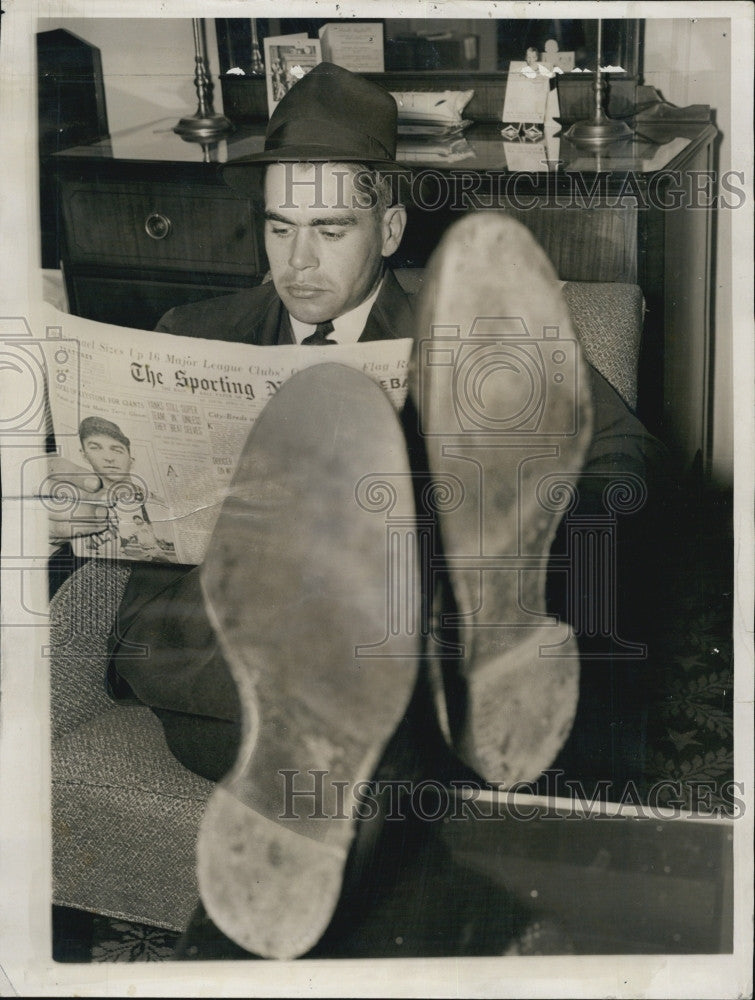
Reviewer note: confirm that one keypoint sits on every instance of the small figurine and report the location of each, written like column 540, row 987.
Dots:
column 533, row 68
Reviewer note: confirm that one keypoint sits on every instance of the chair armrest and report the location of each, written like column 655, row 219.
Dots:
column 82, row 614
column 608, row 318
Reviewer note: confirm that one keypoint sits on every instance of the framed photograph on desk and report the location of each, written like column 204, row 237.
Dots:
column 288, row 60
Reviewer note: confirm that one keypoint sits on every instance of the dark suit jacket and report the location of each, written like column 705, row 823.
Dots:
column 257, row 316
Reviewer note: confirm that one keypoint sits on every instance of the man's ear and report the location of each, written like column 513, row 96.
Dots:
column 394, row 224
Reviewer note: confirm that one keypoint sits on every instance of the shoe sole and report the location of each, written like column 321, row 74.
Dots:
column 295, row 581
column 497, row 378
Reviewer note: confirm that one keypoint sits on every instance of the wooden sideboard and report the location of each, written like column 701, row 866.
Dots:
column 148, row 224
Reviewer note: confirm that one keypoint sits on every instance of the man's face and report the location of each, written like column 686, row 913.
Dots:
column 110, row 459
column 325, row 252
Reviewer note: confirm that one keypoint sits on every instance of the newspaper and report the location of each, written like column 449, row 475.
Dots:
column 178, row 411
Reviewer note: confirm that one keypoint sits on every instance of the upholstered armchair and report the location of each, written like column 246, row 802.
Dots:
column 125, row 812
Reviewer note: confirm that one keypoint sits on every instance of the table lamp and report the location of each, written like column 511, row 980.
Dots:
column 599, row 129
column 204, row 125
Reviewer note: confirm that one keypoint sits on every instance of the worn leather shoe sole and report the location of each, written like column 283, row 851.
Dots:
column 301, row 585
column 503, row 400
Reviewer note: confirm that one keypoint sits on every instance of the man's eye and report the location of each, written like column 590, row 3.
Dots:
column 280, row 230
column 333, row 234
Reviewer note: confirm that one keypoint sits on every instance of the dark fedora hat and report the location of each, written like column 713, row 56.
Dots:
column 330, row 115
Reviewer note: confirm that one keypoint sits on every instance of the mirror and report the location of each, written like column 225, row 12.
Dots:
column 453, row 44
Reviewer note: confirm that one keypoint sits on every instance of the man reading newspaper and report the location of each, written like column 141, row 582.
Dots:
column 322, row 643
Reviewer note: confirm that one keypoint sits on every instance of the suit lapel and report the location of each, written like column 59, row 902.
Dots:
column 391, row 316
column 273, row 325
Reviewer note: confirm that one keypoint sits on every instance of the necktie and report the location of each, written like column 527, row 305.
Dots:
column 322, row 331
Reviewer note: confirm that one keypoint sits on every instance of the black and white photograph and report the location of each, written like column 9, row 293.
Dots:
column 105, row 468
column 287, row 64
column 376, row 426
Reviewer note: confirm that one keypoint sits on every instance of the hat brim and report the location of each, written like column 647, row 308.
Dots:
column 243, row 175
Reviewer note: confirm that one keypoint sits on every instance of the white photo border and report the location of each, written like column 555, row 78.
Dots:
column 26, row 966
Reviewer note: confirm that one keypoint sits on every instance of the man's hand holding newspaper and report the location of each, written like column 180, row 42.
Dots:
column 86, row 512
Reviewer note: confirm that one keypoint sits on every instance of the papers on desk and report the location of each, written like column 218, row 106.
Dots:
column 441, row 106
column 431, row 127
column 432, row 109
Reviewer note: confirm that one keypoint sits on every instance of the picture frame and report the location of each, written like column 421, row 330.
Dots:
column 287, row 60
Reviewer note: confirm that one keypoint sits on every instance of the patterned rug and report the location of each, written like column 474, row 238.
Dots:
column 119, row 941
column 85, row 937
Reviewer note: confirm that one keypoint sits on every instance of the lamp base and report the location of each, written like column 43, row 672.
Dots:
column 203, row 127
column 598, row 131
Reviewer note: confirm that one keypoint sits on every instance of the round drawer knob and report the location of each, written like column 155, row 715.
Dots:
column 157, row 226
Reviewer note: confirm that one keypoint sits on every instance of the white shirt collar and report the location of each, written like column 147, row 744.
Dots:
column 348, row 328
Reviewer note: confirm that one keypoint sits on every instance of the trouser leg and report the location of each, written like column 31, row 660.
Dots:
column 164, row 652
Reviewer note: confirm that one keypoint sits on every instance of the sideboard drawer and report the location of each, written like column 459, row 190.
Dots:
column 163, row 225
column 138, row 302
